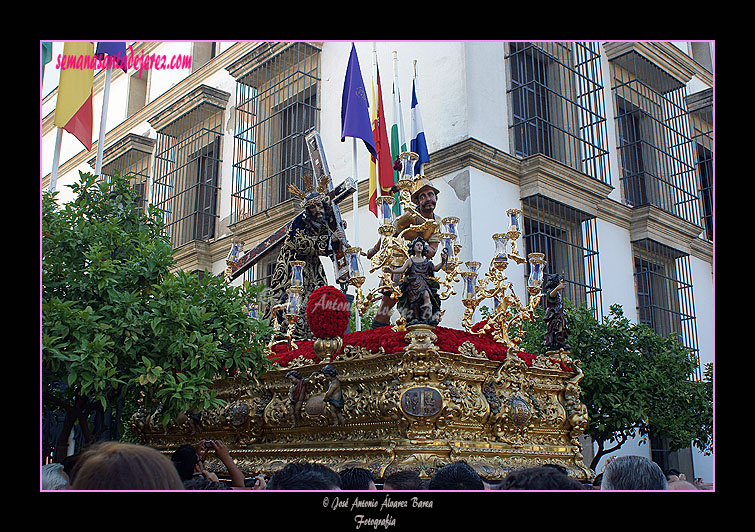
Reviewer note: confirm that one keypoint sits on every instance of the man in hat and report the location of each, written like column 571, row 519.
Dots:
column 309, row 238
column 410, row 226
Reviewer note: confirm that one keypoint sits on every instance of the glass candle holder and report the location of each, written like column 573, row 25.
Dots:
column 500, row 258
column 234, row 254
column 386, row 216
column 408, row 161
column 537, row 266
column 515, row 228
column 473, row 266
column 356, row 274
column 447, row 243
column 297, row 273
column 470, row 281
column 294, row 303
column 451, row 225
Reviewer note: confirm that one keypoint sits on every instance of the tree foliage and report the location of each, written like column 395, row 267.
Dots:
column 116, row 322
column 636, row 382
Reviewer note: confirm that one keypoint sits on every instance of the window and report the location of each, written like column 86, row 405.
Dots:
column 557, row 107
column 568, row 238
column 201, row 53
column 665, row 301
column 137, row 91
column 653, row 137
column 701, row 124
column 131, row 157
column 187, row 164
column 276, row 105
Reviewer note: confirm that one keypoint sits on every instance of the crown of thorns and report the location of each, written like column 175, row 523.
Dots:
column 310, row 194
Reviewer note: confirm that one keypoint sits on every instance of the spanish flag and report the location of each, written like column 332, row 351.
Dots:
column 381, row 167
column 73, row 110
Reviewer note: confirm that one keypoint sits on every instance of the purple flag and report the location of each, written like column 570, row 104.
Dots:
column 116, row 50
column 355, row 113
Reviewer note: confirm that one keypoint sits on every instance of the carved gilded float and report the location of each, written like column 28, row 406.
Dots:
column 418, row 408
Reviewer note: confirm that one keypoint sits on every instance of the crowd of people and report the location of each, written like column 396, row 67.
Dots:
column 127, row 466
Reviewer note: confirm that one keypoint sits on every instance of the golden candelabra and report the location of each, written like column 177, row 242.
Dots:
column 509, row 312
column 291, row 308
column 394, row 249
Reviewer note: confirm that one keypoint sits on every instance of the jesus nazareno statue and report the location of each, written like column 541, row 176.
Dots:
column 556, row 326
column 419, row 301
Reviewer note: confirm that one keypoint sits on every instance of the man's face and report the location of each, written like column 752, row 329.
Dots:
column 316, row 211
column 426, row 200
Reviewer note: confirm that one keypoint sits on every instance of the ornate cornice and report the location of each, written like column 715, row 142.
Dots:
column 667, row 56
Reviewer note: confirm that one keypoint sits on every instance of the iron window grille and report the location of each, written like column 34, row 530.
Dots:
column 130, row 157
column 665, row 296
column 187, row 171
column 654, row 145
column 701, row 124
column 569, row 239
column 557, row 106
column 276, row 105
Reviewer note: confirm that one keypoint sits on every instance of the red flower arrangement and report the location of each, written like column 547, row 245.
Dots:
column 327, row 312
column 449, row 340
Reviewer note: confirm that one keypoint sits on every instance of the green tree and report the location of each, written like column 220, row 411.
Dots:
column 117, row 324
column 636, row 382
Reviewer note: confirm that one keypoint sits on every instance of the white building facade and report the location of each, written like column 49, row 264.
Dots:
column 607, row 147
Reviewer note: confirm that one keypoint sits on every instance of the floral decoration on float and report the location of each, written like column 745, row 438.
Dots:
column 327, row 313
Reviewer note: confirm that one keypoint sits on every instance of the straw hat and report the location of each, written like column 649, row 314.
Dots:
column 419, row 184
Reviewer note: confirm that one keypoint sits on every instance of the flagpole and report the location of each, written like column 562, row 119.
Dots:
column 103, row 121
column 355, row 201
column 419, row 167
column 56, row 160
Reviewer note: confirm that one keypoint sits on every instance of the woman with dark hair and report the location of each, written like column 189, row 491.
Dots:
column 419, row 301
column 125, row 466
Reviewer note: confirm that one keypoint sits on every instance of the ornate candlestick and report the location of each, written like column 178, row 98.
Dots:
column 448, row 241
column 509, row 312
column 292, row 312
column 291, row 308
column 356, row 276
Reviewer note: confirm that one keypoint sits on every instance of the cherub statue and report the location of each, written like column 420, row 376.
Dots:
column 557, row 330
column 296, row 394
column 419, row 302
column 334, row 394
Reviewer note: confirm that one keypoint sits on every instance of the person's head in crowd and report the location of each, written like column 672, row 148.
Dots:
column 681, row 485
column 304, row 476
column 54, row 477
column 403, row 480
column 185, row 459
column 456, row 476
column 124, row 466
column 539, row 478
column 357, row 478
column 633, row 473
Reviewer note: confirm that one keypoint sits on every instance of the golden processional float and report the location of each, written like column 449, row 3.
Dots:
column 414, row 395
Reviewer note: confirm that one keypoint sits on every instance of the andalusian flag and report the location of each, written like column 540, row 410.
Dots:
column 381, row 168
column 73, row 110
column 398, row 139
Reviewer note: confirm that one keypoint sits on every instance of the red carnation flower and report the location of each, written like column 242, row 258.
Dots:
column 327, row 312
